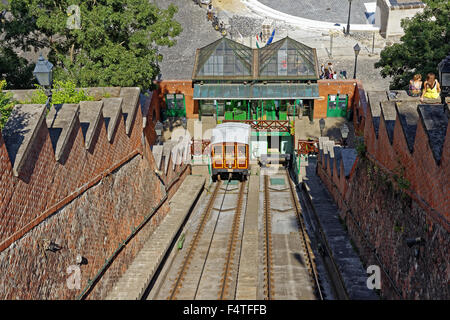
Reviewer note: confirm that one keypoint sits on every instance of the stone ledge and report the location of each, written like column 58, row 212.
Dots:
column 60, row 122
column 20, row 132
column 112, row 108
column 90, row 114
column 129, row 105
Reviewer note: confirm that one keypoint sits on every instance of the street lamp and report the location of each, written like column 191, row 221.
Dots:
column 348, row 21
column 321, row 126
column 44, row 75
column 444, row 77
column 344, row 133
column 357, row 49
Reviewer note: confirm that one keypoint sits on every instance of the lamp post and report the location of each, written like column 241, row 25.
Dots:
column 44, row 75
column 321, row 126
column 357, row 49
column 444, row 78
column 347, row 32
column 344, row 134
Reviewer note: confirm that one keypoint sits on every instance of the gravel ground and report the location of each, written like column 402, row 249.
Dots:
column 197, row 32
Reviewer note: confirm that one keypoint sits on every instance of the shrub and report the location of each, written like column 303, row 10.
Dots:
column 6, row 104
column 63, row 92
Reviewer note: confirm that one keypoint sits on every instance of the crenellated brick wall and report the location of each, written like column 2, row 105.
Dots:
column 398, row 190
column 87, row 201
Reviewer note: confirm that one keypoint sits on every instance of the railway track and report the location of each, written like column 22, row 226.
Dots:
column 226, row 282
column 232, row 243
column 193, row 246
column 305, row 239
column 268, row 265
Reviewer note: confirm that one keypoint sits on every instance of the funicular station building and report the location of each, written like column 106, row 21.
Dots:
column 268, row 88
column 264, row 87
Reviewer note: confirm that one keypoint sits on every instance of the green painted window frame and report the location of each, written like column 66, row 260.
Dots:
column 338, row 110
column 175, row 111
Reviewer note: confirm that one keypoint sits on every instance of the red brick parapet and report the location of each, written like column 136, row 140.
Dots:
column 48, row 161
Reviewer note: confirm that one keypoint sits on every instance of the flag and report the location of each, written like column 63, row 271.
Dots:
column 257, row 39
column 271, row 37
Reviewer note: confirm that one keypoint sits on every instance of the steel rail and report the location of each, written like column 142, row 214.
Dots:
column 268, row 286
column 305, row 238
column 178, row 283
column 232, row 244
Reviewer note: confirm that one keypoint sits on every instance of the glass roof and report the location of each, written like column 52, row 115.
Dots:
column 256, row 92
column 224, row 58
column 287, row 58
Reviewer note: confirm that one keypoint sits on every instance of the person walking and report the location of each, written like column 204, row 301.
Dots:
column 210, row 12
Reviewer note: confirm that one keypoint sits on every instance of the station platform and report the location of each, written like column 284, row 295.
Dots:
column 133, row 283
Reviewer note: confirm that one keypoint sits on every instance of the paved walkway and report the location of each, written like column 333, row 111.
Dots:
column 247, row 284
column 352, row 271
column 132, row 285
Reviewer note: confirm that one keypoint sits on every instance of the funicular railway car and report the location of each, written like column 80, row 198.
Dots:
column 230, row 150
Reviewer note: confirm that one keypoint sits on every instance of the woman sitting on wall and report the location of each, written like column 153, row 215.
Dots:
column 415, row 85
column 431, row 88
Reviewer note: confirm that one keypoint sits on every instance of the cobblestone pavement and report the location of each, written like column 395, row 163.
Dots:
column 323, row 10
column 178, row 60
column 243, row 26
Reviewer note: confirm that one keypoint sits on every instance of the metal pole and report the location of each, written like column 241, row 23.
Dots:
column 356, row 59
column 373, row 43
column 262, row 110
column 331, row 45
column 348, row 21
column 217, row 111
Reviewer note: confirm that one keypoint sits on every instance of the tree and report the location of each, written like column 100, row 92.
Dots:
column 6, row 104
column 425, row 43
column 94, row 42
column 17, row 71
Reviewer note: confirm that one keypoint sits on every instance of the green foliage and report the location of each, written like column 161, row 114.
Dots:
column 425, row 43
column 361, row 148
column 15, row 70
column 63, row 92
column 115, row 46
column 6, row 104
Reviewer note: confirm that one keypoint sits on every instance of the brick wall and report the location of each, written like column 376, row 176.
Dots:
column 381, row 214
column 88, row 203
column 327, row 87
column 379, row 218
column 176, row 86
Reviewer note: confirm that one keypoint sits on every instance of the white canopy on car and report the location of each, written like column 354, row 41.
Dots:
column 231, row 132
